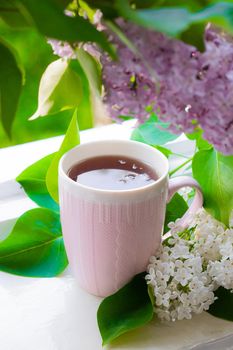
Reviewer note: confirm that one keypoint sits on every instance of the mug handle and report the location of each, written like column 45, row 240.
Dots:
column 177, row 183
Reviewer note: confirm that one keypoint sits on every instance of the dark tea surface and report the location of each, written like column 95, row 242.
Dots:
column 112, row 173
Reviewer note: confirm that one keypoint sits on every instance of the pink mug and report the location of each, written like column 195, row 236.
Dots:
column 109, row 235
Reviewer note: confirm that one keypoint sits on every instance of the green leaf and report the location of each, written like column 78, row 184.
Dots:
column 35, row 54
column 171, row 21
column 60, row 89
column 214, row 172
column 86, row 105
column 12, row 15
column 35, row 246
column 223, row 306
column 71, row 140
column 11, row 80
column 194, row 36
column 167, row 152
column 176, row 208
column 33, row 181
column 153, row 132
column 136, row 136
column 107, row 7
column 177, row 17
column 92, row 87
column 49, row 18
column 202, row 144
column 200, row 141
column 92, row 69
column 127, row 309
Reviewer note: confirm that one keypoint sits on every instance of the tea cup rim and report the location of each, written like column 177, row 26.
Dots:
column 63, row 173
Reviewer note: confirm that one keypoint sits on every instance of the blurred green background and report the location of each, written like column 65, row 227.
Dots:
column 35, row 55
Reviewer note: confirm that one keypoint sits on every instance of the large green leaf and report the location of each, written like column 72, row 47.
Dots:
column 85, row 107
column 12, row 15
column 223, row 306
column 127, row 309
column 214, row 172
column 91, row 68
column 11, row 79
column 174, row 18
column 153, row 132
column 49, row 18
column 89, row 71
column 109, row 10
column 171, row 21
column 60, row 88
column 33, row 181
column 35, row 246
column 176, row 208
column 35, row 54
column 201, row 143
column 71, row 140
column 167, row 152
column 107, row 7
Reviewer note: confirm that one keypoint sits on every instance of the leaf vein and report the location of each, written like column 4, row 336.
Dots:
column 31, row 248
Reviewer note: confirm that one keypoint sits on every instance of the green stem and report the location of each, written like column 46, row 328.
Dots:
column 180, row 166
column 180, row 155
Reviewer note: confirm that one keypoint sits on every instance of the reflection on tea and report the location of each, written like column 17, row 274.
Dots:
column 112, row 173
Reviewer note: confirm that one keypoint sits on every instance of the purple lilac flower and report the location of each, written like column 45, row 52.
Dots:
column 195, row 89
column 129, row 87
column 61, row 48
column 130, row 90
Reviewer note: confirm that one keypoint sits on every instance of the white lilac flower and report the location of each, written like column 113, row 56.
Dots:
column 180, row 249
column 209, row 235
column 183, row 276
column 226, row 247
column 185, row 273
column 184, row 312
column 175, row 227
column 179, row 281
column 221, row 269
column 215, row 243
column 162, row 297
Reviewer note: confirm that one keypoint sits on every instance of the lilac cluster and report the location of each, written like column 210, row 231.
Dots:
column 129, row 87
column 188, row 89
column 61, row 48
column 131, row 96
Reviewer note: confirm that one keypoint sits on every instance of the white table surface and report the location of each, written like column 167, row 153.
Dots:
column 54, row 313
